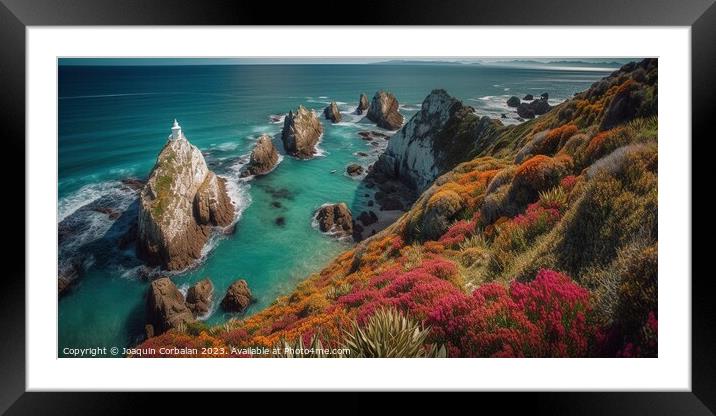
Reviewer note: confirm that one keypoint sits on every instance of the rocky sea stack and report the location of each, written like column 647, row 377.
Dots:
column 180, row 204
column 335, row 218
column 383, row 111
column 331, row 112
column 301, row 131
column 362, row 104
column 198, row 297
column 442, row 134
column 238, row 297
column 263, row 159
column 166, row 308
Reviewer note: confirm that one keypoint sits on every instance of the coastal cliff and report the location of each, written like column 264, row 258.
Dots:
column 540, row 241
column 178, row 207
column 301, row 132
column 442, row 134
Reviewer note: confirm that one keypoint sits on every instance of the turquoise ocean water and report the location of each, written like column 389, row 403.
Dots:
column 113, row 121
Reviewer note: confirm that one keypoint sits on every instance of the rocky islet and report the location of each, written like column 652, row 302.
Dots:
column 180, row 205
column 301, row 131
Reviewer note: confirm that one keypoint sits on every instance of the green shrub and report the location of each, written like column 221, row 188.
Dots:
column 554, row 198
column 335, row 292
column 390, row 334
column 617, row 202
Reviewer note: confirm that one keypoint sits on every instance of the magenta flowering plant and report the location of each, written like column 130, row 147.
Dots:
column 546, row 317
column 457, row 233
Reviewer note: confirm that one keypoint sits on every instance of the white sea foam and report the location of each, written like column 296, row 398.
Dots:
column 227, row 146
column 320, row 152
column 238, row 191
column 409, row 107
column 263, row 129
column 184, row 289
column 88, row 194
column 131, row 272
column 324, row 101
column 75, row 97
column 279, row 120
column 350, row 118
column 93, row 227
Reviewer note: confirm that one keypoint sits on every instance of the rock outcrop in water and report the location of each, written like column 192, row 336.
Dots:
column 537, row 107
column 301, row 131
column 354, row 169
column 335, row 218
column 264, row 157
column 238, row 297
column 331, row 112
column 166, row 308
column 442, row 134
column 66, row 275
column 383, row 111
column 198, row 297
column 362, row 104
column 179, row 206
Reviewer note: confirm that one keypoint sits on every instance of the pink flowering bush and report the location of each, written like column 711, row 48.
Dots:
column 536, row 220
column 396, row 244
column 558, row 306
column 518, row 233
column 543, row 318
column 457, row 233
column 415, row 291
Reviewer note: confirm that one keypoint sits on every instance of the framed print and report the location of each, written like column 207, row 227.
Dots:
column 451, row 201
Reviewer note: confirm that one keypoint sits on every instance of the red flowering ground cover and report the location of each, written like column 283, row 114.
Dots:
column 546, row 317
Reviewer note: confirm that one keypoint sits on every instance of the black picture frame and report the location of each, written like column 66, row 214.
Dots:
column 16, row 15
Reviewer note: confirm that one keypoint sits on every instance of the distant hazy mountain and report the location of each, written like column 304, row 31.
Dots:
column 617, row 62
column 418, row 62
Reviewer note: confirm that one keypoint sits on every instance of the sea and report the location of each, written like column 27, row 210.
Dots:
column 114, row 120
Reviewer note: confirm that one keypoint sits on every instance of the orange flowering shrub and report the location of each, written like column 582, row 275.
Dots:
column 600, row 145
column 560, row 135
column 537, row 174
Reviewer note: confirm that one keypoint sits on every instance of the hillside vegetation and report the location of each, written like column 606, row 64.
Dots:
column 543, row 244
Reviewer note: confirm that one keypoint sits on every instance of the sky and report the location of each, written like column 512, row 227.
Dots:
column 319, row 60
